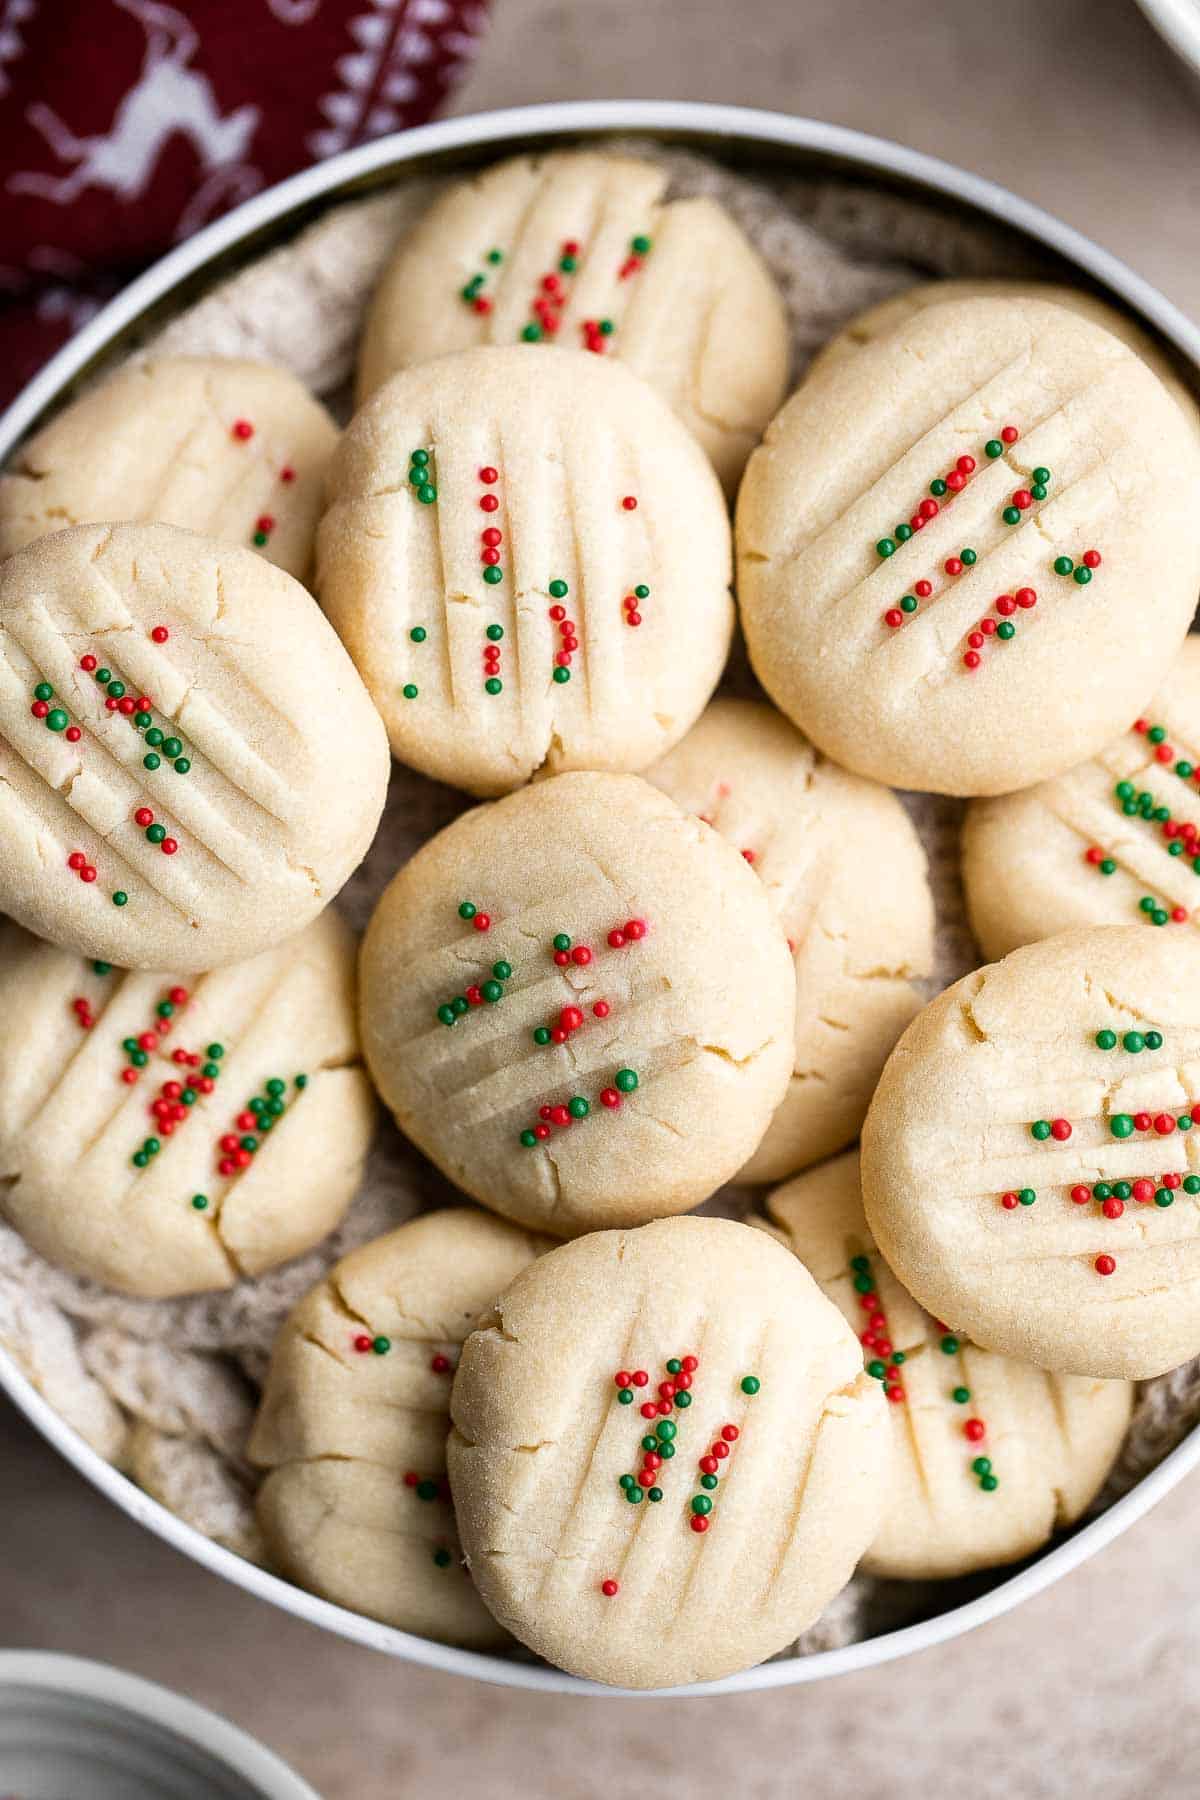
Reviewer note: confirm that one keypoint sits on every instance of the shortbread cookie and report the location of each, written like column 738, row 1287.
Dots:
column 846, row 878
column 666, row 1456
column 234, row 449
column 958, row 561
column 884, row 317
column 1112, row 842
column 577, row 1003
column 1030, row 1165
column 989, row 1455
column 583, row 250
column 190, row 767
column 354, row 1417
column 168, row 1136
column 528, row 558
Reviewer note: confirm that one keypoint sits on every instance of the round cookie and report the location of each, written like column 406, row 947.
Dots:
column 989, row 1455
column 168, row 1136
column 548, row 588
column 648, row 1567
column 190, row 767
column 577, row 1004
column 958, row 563
column 583, row 250
column 1112, row 842
column 353, row 1422
column 846, row 878
column 886, row 315
column 1030, row 1169
column 234, row 449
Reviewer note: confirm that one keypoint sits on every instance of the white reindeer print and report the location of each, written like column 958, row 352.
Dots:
column 168, row 97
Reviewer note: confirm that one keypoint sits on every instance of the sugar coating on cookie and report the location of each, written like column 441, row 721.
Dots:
column 666, row 1456
column 583, row 250
column 234, row 449
column 165, row 1134
column 528, row 558
column 1031, row 1163
column 1114, row 841
column 990, row 1455
column 878, row 320
column 352, row 1427
column 846, row 877
column 190, row 767
column 959, row 562
column 577, row 1003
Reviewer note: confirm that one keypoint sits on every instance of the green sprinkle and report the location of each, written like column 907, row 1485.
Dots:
column 1185, row 769
column 909, row 603
column 961, row 1395
column 531, row 333
column 863, row 1284
column 493, row 685
column 559, row 590
column 215, row 1052
column 156, row 833
column 460, row 1003
column 1082, row 575
column 410, row 690
column 154, row 738
column 1184, row 1122
column 750, row 1384
column 949, row 1346
column 152, row 1146
column 164, row 1009
column 642, row 592
column 1163, row 1197
column 665, row 1430
column 993, row 448
column 1011, row 516
column 381, row 1346
column 103, row 675
column 1041, row 476
column 442, row 1558
column 140, row 1159
column 502, row 970
column 172, row 747
column 860, row 1264
column 427, row 1490
column 1041, row 1128
column 101, row 968
column 885, row 547
column 708, row 1481
column 666, row 1450
column 654, row 1493
column 1158, row 918
column 640, row 245
column 606, row 328
column 989, row 1483
column 701, row 1504
column 446, row 1014
column 578, row 1107
column 1006, row 630
column 898, row 1356
column 421, row 457
column 200, row 1202
column 182, row 765
column 1133, row 1041
column 1121, row 1125
column 275, row 1109
column 982, row 1465
column 301, row 1082
column 43, row 691
column 684, row 1399
column 1191, row 1184
column 139, row 1058
column 626, row 1481
column 877, row 1369
column 117, row 689
column 249, row 1143
column 427, row 494
column 260, row 538
column 142, row 719
column 561, row 675
column 1038, row 490
column 1175, row 848
column 120, row 898
column 495, row 256
column 189, row 1096
column 1026, row 1196
column 492, row 991
column 151, row 761
column 1102, row 1191
column 970, row 557
column 495, row 632
column 1106, row 1040
column 492, row 574
column 1123, row 1189
column 626, row 1394
column 542, row 1035
column 903, row 533
column 674, row 1366
column 1063, row 565
column 416, row 476
column 568, row 264
column 937, row 488
column 626, row 1080
column 633, row 1494
column 418, row 634
column 211, row 1070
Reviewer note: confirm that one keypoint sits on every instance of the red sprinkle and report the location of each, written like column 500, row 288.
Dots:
column 610, row 1587
column 629, row 503
column 975, row 1429
column 243, row 429
column 1105, row 1265
column 362, row 1344
column 1060, row 1130
column 1010, row 434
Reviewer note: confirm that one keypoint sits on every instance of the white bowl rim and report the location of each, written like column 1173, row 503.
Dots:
column 1177, row 22
column 82, row 1678
column 506, row 131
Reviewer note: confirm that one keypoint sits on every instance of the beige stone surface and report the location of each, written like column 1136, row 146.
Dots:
column 1077, row 106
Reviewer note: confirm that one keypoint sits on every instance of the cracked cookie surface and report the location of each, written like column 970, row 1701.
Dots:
column 246, row 1082
column 577, row 1003
column 1031, row 1159
column 643, row 1567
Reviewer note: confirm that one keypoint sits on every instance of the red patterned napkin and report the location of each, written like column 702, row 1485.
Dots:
column 126, row 125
